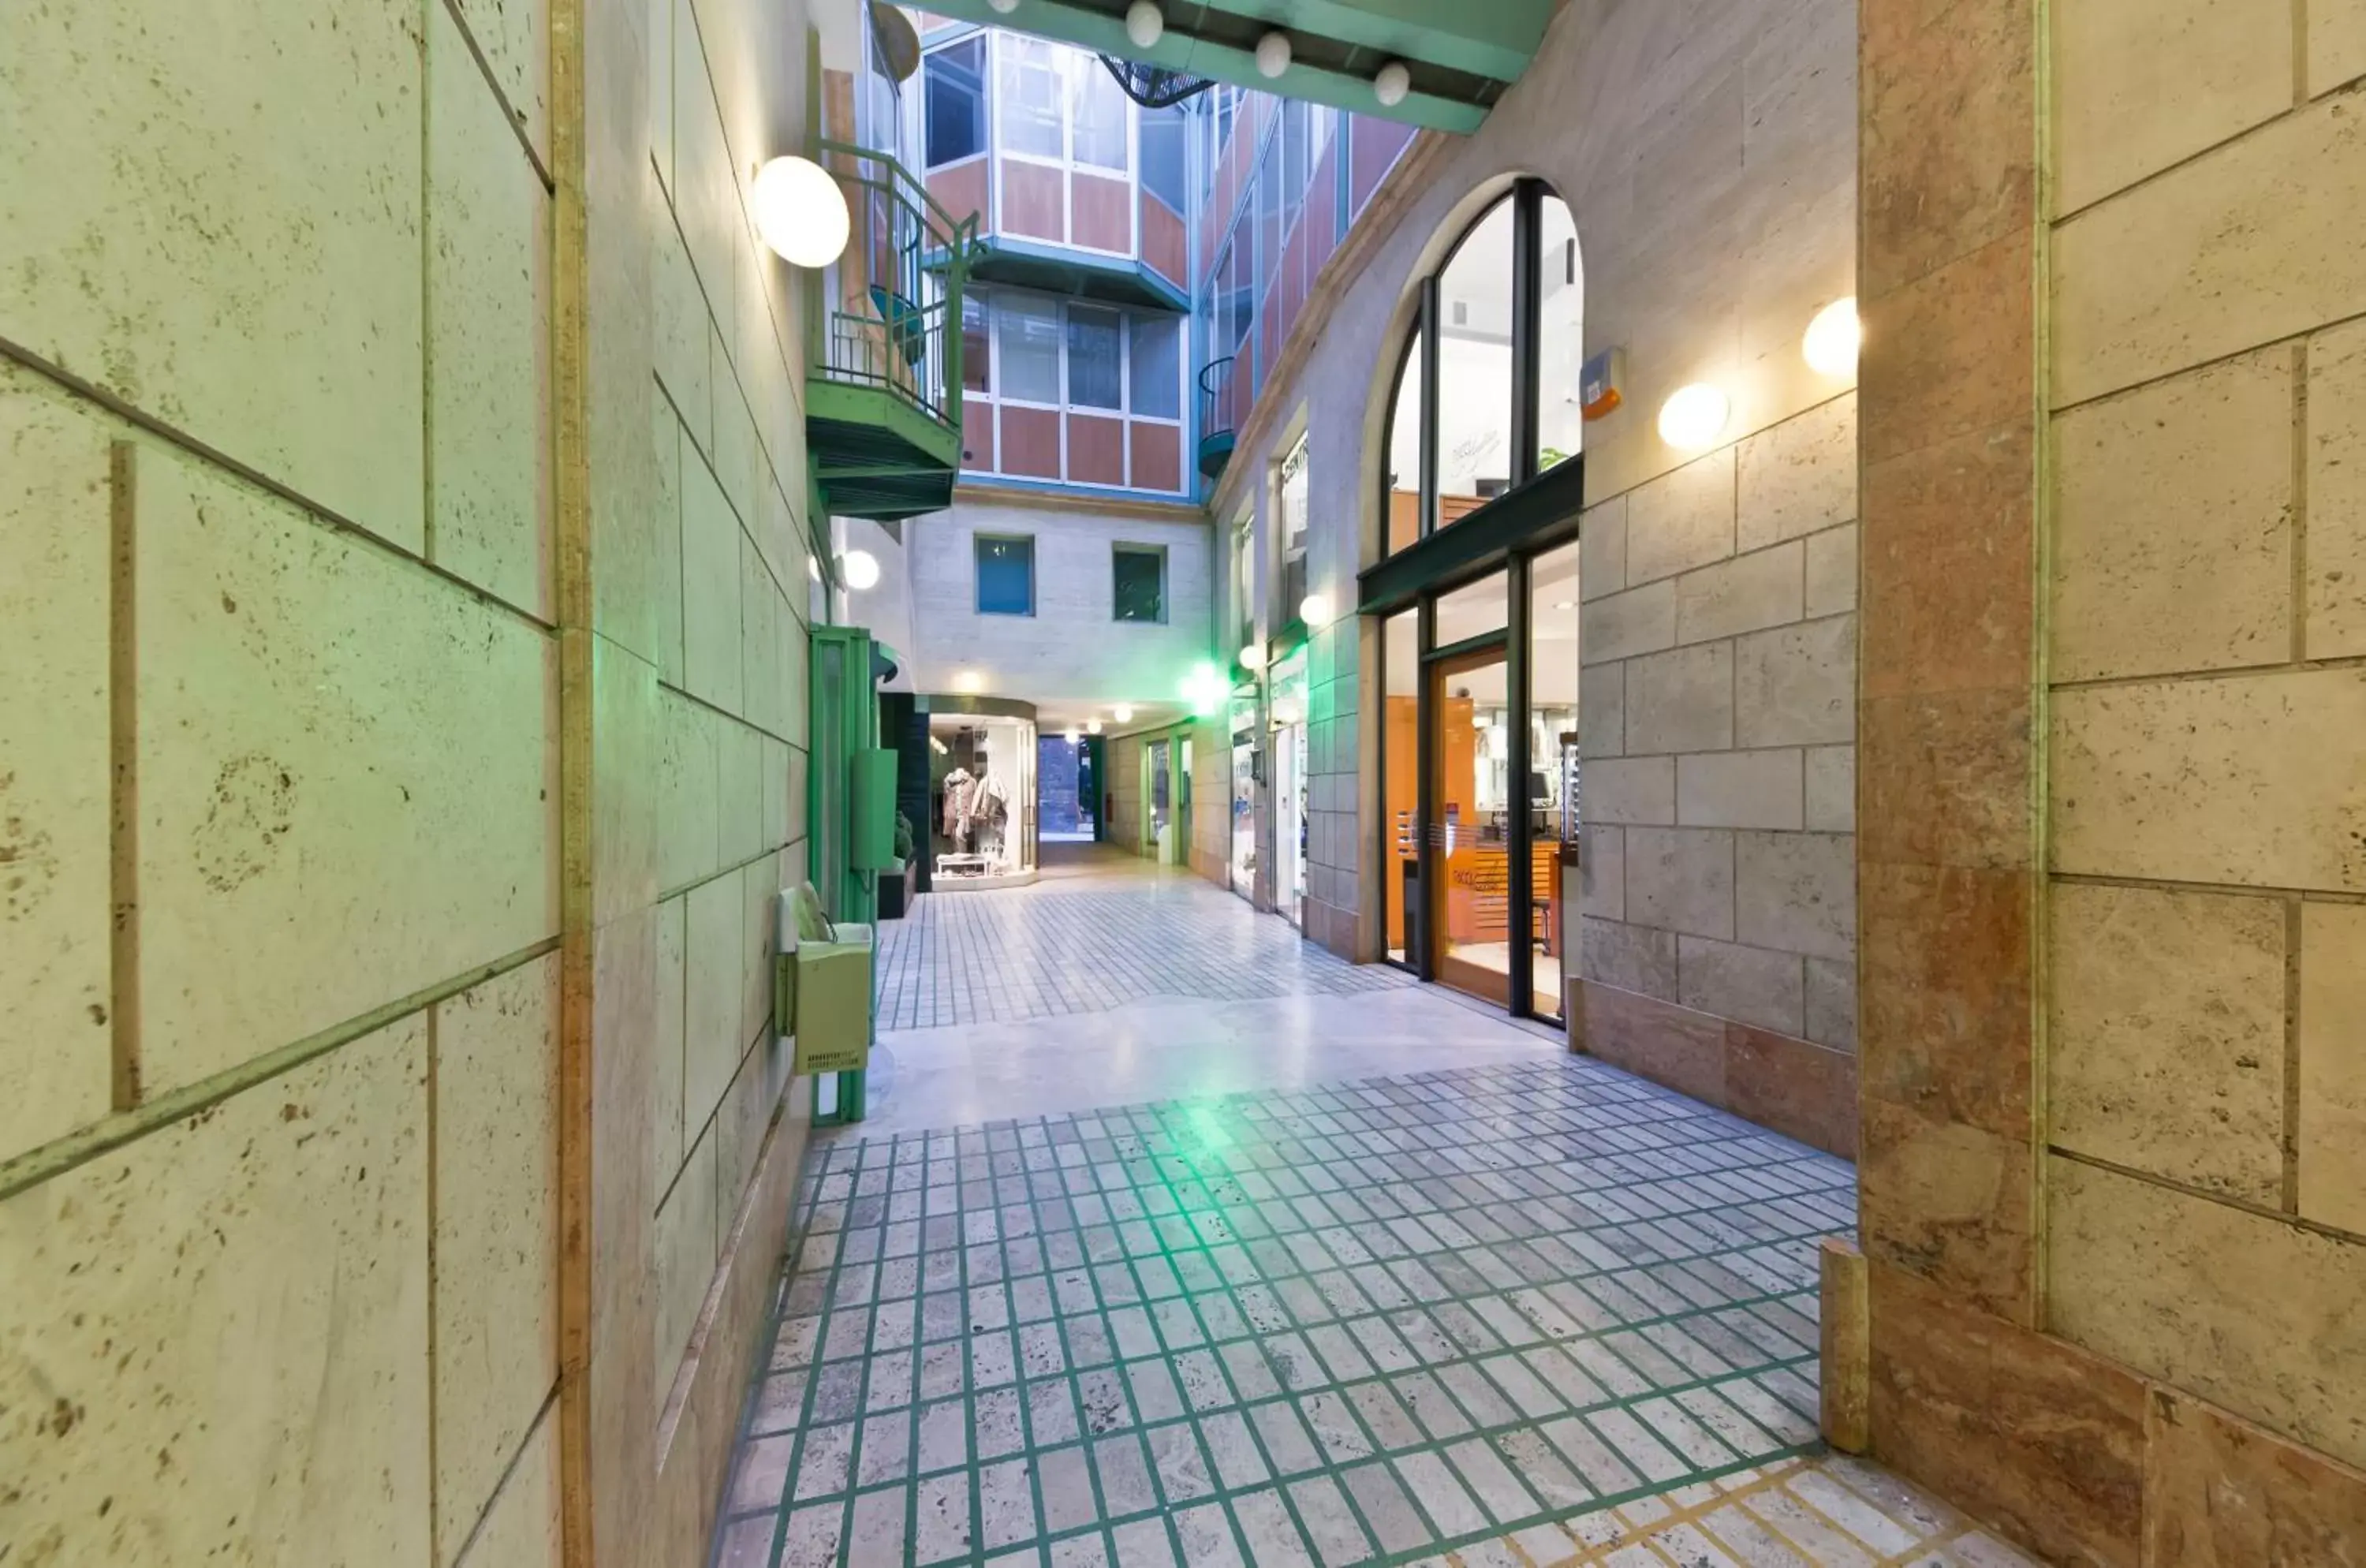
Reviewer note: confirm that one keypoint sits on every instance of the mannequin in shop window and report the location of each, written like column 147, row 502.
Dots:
column 976, row 806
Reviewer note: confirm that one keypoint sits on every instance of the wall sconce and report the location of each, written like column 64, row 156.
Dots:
column 861, row 569
column 1693, row 417
column 800, row 212
column 1830, row 344
column 1253, row 657
column 1314, row 610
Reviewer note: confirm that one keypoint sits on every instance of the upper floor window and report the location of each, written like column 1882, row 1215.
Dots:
column 1073, row 392
column 1006, row 575
column 1096, row 358
column 1487, row 393
column 1138, row 583
column 1100, row 122
column 1165, row 171
column 955, row 98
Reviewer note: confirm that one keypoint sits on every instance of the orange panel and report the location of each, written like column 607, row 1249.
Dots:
column 1157, row 456
column 960, row 188
column 1096, row 450
column 1030, row 442
column 1163, row 243
column 977, row 436
column 1101, row 214
column 1030, row 201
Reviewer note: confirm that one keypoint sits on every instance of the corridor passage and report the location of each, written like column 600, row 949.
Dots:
column 1483, row 1298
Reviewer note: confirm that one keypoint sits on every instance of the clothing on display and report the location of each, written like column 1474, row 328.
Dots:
column 976, row 807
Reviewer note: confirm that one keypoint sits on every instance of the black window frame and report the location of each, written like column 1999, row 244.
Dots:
column 1119, row 551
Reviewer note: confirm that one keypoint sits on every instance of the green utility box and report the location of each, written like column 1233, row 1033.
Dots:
column 822, row 988
column 874, row 809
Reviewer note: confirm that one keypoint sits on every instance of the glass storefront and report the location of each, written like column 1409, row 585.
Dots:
column 983, row 799
column 1245, row 856
column 1290, row 787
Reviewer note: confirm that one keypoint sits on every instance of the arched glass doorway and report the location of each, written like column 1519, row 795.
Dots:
column 1481, row 484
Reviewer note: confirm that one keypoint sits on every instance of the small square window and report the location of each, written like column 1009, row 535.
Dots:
column 1139, row 583
column 1005, row 575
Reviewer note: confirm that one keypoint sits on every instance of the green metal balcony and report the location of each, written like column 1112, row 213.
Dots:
column 884, row 393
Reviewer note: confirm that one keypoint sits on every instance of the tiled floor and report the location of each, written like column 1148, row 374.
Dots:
column 1123, row 931
column 1371, row 1320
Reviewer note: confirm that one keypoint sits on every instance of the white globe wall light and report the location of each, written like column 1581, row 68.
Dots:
column 861, row 570
column 1253, row 656
column 1832, row 340
column 1693, row 417
column 1392, row 84
column 1273, row 55
column 800, row 212
column 1144, row 22
column 1314, row 610
column 1004, row 6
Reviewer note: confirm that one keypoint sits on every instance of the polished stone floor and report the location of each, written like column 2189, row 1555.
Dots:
column 1292, row 1271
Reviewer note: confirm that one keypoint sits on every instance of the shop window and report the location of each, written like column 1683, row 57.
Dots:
column 955, row 79
column 1138, row 586
column 1402, row 483
column 1006, row 575
column 1474, row 368
column 1095, row 378
column 1157, row 370
column 1561, row 334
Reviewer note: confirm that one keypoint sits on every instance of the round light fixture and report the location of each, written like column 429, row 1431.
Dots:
column 1315, row 609
column 799, row 211
column 1122, row 713
column 1832, row 339
column 1092, row 727
column 1564, row 603
column 968, row 681
column 1392, row 84
column 1004, row 6
column 1273, row 54
column 1144, row 22
column 1253, row 656
column 1069, row 735
column 1693, row 417
column 861, row 570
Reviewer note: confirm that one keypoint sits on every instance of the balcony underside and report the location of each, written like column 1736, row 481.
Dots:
column 1081, row 274
column 877, row 455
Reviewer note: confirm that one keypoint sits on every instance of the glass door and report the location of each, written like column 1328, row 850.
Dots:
column 1470, row 900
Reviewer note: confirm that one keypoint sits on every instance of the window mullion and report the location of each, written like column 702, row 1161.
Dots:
column 1526, row 307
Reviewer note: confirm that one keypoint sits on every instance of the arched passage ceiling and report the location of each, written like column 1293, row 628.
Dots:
column 1461, row 54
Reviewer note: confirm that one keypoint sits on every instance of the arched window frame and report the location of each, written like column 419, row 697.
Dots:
column 1528, row 196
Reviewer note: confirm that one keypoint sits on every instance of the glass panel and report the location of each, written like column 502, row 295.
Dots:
column 1027, row 98
column 1290, row 786
column 1157, row 369
column 1027, row 332
column 1473, row 611
column 955, row 93
column 1164, row 168
column 978, row 357
column 1160, row 796
column 1405, row 453
column 1244, row 582
column 1099, row 106
column 1138, row 586
column 1474, row 369
column 1552, row 768
column 1005, row 575
column 1561, row 335
column 1471, row 902
column 1400, row 779
column 1094, row 365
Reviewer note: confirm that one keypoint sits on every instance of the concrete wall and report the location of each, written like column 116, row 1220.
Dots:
column 1070, row 656
column 1722, row 134
column 2111, row 1197
column 405, row 728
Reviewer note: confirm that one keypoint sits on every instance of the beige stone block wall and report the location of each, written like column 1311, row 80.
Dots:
column 2207, row 717
column 1717, row 727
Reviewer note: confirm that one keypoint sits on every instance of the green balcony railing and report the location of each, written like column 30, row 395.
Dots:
column 891, row 307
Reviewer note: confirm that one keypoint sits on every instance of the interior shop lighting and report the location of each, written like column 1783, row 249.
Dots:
column 799, row 211
column 1390, row 85
column 1144, row 22
column 1122, row 713
column 1830, row 343
column 969, row 681
column 1693, row 417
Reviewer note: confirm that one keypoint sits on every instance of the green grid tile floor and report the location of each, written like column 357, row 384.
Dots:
column 1375, row 1321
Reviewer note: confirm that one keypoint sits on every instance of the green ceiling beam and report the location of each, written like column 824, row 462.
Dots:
column 1495, row 39
column 1106, row 35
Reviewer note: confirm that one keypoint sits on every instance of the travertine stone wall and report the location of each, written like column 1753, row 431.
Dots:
column 2111, row 710
column 279, row 788
column 2205, row 1053
column 1717, row 722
